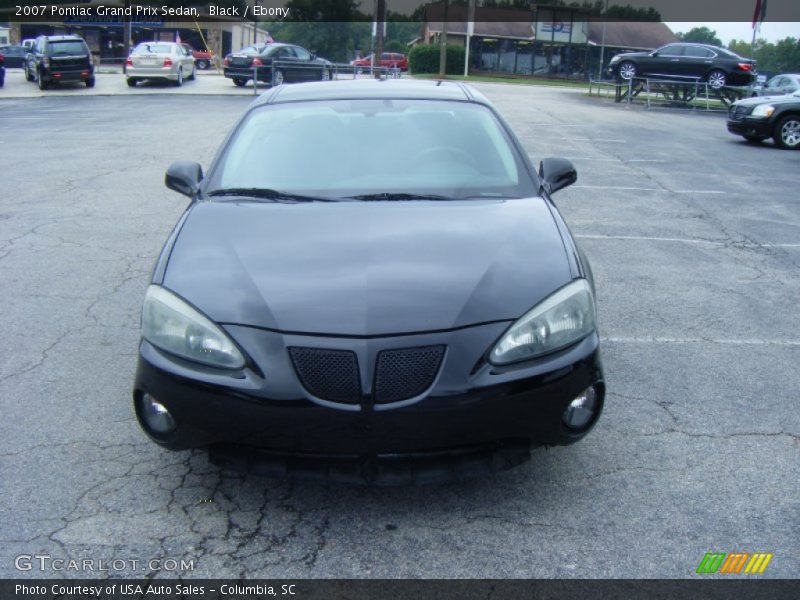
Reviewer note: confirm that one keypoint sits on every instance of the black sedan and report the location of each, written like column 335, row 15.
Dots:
column 14, row 56
column 276, row 64
column 319, row 311
column 757, row 119
column 686, row 62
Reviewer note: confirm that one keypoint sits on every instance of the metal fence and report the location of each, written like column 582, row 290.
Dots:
column 667, row 93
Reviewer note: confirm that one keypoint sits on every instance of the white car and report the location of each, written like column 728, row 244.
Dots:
column 159, row 60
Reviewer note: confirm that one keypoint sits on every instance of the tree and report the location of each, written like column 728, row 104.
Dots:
column 700, row 35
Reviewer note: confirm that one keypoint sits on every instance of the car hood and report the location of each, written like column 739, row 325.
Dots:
column 367, row 268
column 623, row 55
column 780, row 99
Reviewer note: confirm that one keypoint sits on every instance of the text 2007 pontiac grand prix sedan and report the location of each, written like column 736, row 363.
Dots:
column 371, row 283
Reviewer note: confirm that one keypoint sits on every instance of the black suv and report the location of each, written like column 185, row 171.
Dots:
column 686, row 62
column 778, row 117
column 57, row 58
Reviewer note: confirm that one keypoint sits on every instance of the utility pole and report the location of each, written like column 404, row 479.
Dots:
column 470, row 31
column 603, row 42
column 126, row 37
column 443, row 47
column 380, row 24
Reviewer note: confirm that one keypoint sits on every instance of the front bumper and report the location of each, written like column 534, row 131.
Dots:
column 751, row 127
column 471, row 403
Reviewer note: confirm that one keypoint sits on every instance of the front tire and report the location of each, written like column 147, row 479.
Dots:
column 717, row 79
column 627, row 70
column 132, row 82
column 203, row 65
column 326, row 75
column 193, row 75
column 179, row 81
column 240, row 82
column 28, row 75
column 787, row 132
column 277, row 77
column 40, row 81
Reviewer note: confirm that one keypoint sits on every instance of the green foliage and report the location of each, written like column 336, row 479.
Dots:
column 781, row 57
column 425, row 59
column 700, row 35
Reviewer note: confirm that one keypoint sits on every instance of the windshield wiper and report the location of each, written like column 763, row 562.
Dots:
column 268, row 194
column 399, row 196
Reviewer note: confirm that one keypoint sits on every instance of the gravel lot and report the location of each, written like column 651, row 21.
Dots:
column 694, row 237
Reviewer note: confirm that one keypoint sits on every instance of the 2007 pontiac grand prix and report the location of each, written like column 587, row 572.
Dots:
column 370, row 283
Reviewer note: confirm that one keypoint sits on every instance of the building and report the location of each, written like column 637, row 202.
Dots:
column 545, row 41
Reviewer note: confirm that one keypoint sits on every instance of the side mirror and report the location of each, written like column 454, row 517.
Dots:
column 313, row 56
column 557, row 173
column 184, row 177
column 654, row 53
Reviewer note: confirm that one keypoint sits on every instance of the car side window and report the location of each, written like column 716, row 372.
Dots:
column 672, row 50
column 697, row 52
column 302, row 53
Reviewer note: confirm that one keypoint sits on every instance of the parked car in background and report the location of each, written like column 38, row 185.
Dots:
column 786, row 83
column 389, row 60
column 2, row 70
column 15, row 56
column 202, row 58
column 320, row 311
column 160, row 60
column 757, row 119
column 59, row 59
column 276, row 64
column 28, row 43
column 686, row 62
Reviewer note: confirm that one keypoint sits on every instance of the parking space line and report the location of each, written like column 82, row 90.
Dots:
column 722, row 341
column 647, row 238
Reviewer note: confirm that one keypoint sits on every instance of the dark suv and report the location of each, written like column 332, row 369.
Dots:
column 59, row 58
column 686, row 62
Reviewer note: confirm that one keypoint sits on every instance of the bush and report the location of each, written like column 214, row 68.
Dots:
column 425, row 59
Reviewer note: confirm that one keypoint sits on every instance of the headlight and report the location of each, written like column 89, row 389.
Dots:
column 763, row 110
column 171, row 324
column 557, row 322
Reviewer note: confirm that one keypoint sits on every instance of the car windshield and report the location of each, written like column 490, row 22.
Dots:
column 67, row 47
column 374, row 149
column 153, row 49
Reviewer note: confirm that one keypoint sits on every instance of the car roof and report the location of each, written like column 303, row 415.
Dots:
column 356, row 89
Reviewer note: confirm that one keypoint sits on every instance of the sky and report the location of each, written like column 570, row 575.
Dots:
column 771, row 31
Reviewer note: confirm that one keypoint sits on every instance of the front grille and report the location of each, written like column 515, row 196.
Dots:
column 405, row 373
column 737, row 113
column 328, row 374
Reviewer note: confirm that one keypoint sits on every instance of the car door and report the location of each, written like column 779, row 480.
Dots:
column 285, row 59
column 187, row 60
column 696, row 62
column 305, row 65
column 668, row 61
column 37, row 51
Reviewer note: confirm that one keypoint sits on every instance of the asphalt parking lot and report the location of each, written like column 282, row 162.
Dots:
column 694, row 237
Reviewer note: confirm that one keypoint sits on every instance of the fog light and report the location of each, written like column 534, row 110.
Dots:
column 581, row 410
column 156, row 416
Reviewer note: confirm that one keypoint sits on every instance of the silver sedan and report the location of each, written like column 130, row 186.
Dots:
column 159, row 60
